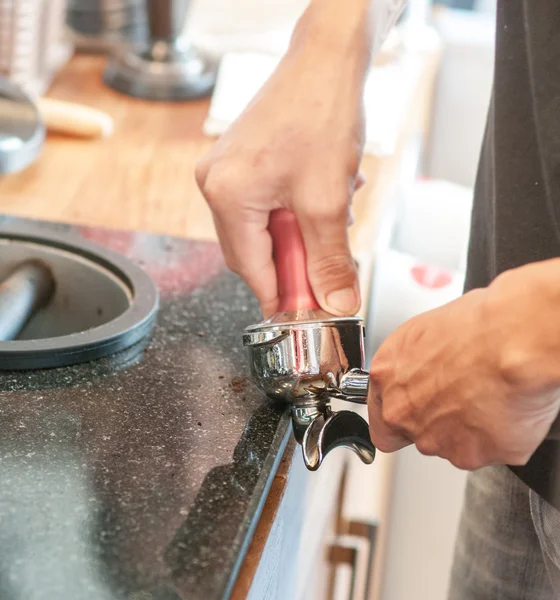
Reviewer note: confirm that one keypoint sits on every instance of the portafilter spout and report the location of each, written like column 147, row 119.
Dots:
column 307, row 357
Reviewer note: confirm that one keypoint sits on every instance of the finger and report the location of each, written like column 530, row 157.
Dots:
column 323, row 218
column 385, row 438
column 247, row 248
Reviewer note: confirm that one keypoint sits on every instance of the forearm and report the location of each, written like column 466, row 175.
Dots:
column 299, row 143
column 352, row 29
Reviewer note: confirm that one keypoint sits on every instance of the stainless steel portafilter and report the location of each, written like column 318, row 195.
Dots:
column 307, row 357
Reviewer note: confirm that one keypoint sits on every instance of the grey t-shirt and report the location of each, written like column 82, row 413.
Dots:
column 516, row 216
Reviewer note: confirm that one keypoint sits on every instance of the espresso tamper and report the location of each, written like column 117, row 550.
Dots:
column 307, row 357
column 167, row 67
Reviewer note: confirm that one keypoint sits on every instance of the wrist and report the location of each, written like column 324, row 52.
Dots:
column 335, row 32
column 523, row 310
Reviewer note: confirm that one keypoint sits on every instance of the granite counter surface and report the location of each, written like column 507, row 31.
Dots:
column 141, row 476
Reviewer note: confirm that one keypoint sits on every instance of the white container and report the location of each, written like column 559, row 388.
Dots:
column 403, row 287
column 434, row 223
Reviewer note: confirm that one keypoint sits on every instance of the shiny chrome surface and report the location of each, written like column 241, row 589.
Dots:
column 27, row 288
column 354, row 385
column 22, row 132
column 307, row 357
column 308, row 363
column 319, row 430
column 308, row 360
column 166, row 67
column 106, row 25
column 330, row 430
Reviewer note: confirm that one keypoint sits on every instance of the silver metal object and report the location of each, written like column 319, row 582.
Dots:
column 167, row 67
column 29, row 287
column 106, row 25
column 22, row 132
column 308, row 363
column 102, row 303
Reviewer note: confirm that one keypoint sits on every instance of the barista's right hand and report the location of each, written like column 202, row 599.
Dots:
column 298, row 146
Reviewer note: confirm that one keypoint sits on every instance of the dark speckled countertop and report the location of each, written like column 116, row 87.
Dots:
column 140, row 477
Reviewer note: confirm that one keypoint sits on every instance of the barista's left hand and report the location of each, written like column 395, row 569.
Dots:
column 475, row 381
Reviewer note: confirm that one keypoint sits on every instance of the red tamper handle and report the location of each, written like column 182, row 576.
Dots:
column 294, row 290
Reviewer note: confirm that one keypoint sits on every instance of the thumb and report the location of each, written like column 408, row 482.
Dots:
column 330, row 266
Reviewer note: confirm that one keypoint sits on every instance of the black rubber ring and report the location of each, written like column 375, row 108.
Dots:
column 118, row 334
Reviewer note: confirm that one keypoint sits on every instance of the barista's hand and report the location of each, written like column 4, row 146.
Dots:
column 297, row 146
column 475, row 381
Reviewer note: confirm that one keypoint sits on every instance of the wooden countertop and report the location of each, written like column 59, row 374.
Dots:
column 142, row 177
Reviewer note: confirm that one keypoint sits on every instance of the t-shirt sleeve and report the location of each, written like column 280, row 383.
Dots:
column 384, row 15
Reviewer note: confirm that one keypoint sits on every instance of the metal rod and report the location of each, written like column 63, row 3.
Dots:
column 29, row 287
column 166, row 18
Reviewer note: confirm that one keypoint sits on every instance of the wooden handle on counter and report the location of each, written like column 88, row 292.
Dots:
column 74, row 119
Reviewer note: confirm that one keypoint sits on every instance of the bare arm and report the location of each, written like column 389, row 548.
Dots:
column 298, row 145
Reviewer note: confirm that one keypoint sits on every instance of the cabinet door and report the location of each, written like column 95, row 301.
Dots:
column 295, row 561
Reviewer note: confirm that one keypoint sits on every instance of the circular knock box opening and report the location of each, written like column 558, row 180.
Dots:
column 102, row 302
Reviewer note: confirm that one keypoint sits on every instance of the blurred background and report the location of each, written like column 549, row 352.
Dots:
column 421, row 172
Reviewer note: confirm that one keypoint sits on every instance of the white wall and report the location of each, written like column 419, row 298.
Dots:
column 462, row 95
column 244, row 16
column 486, row 6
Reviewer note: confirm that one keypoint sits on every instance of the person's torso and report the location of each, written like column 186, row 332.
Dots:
column 516, row 215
